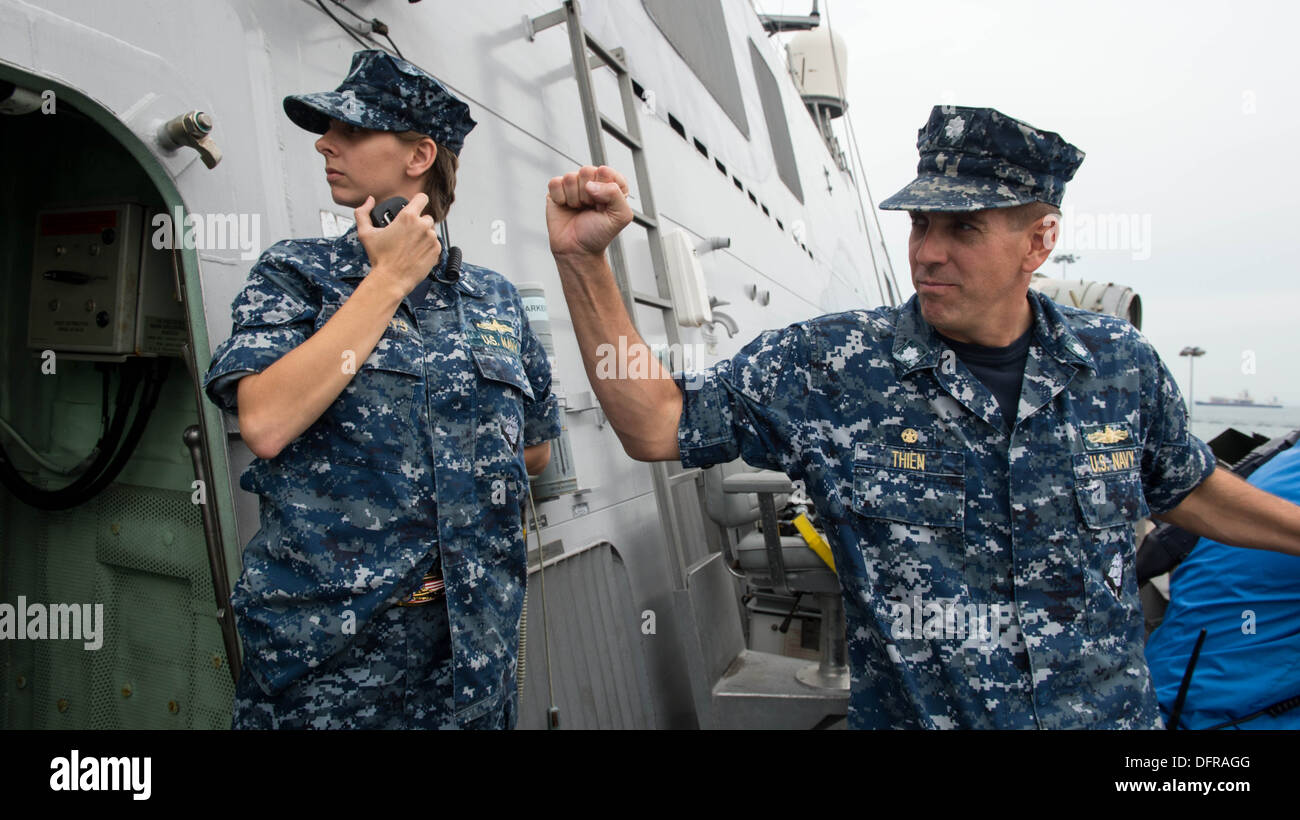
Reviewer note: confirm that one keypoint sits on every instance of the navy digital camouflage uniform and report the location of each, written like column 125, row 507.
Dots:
column 930, row 497
column 418, row 461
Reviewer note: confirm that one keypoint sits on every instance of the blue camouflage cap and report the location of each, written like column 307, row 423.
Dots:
column 386, row 93
column 977, row 158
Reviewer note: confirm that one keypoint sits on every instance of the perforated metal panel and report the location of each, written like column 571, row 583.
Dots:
column 139, row 553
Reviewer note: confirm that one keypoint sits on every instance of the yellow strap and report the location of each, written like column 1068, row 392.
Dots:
column 814, row 540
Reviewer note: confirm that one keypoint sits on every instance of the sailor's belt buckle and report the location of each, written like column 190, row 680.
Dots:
column 431, row 589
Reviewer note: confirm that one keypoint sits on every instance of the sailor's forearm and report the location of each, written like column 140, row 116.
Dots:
column 1228, row 510
column 536, row 457
column 636, row 393
column 278, row 404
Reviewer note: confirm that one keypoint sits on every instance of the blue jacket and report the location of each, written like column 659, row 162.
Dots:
column 1248, row 601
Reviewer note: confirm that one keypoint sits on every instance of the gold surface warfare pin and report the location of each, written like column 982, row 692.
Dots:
column 1108, row 436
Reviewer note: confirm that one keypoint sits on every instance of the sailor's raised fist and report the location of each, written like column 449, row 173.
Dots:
column 585, row 210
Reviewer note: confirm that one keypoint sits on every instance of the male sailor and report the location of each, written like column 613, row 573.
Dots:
column 978, row 446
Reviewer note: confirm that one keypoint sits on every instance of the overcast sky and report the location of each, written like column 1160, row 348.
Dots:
column 1190, row 119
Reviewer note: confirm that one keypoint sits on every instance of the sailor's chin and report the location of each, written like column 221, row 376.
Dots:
column 936, row 310
column 345, row 196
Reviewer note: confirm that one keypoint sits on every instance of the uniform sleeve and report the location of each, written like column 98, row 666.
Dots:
column 749, row 406
column 542, row 414
column 271, row 316
column 1174, row 462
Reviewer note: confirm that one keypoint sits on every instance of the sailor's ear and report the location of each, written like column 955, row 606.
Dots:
column 1041, row 235
column 423, row 153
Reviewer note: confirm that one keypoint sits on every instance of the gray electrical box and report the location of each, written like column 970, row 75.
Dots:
column 98, row 288
column 160, row 328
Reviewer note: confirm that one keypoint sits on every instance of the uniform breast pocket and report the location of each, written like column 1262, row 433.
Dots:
column 909, row 485
column 1108, row 488
column 503, row 388
column 913, row 504
column 375, row 419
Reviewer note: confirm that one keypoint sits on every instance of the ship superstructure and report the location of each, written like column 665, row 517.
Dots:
column 158, row 163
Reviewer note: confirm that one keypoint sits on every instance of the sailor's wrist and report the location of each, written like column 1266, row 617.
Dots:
column 383, row 288
column 582, row 263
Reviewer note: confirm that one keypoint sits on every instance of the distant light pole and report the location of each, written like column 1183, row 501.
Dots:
column 1191, row 353
column 1065, row 259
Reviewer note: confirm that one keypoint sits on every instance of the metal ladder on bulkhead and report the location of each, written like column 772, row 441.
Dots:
column 589, row 55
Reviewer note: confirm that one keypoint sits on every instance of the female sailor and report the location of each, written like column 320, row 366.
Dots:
column 396, row 401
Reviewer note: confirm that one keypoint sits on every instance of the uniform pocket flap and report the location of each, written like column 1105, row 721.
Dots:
column 395, row 354
column 926, row 487
column 1109, row 488
column 504, row 367
column 911, row 459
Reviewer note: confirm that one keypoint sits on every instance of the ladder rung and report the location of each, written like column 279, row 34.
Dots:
column 685, row 475
column 618, row 133
column 643, row 220
column 605, row 54
column 652, row 301
column 542, row 22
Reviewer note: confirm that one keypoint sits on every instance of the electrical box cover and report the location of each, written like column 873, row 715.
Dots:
column 98, row 288
column 686, row 285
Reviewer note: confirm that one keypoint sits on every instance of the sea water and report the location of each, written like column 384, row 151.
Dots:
column 1210, row 421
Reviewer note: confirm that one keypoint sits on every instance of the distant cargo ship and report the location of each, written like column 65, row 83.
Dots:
column 1244, row 400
